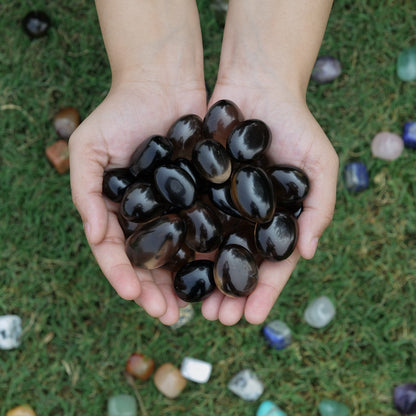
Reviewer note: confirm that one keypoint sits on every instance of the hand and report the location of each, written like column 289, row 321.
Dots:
column 297, row 140
column 131, row 112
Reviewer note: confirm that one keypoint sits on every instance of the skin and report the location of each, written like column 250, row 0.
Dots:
column 156, row 58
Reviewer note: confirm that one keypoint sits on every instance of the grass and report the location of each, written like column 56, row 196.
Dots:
column 78, row 334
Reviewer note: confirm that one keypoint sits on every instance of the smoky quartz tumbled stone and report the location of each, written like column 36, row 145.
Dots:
column 115, row 183
column 154, row 243
column 277, row 239
column 235, row 271
column 195, row 281
column 220, row 196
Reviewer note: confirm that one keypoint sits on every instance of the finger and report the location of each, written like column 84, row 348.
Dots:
column 114, row 263
column 272, row 278
column 86, row 173
column 231, row 310
column 211, row 306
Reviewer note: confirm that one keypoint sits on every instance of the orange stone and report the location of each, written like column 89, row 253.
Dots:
column 58, row 155
column 169, row 380
column 23, row 410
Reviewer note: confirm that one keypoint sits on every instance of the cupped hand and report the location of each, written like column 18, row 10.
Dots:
column 297, row 140
column 106, row 139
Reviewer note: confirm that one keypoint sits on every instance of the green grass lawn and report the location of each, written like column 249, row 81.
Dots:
column 78, row 333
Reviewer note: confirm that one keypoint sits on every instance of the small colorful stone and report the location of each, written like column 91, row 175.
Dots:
column 406, row 64
column 196, row 370
column 65, row 121
column 332, row 408
column 10, row 331
column 268, row 408
column 356, row 177
column 140, row 366
column 409, row 134
column 169, row 380
column 404, row 397
column 387, row 146
column 23, row 410
column 246, row 385
column 58, row 154
column 122, row 405
column 326, row 69
column 36, row 23
column 186, row 314
column 319, row 312
column 277, row 334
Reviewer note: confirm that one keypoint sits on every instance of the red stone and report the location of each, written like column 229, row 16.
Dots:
column 58, row 155
column 140, row 366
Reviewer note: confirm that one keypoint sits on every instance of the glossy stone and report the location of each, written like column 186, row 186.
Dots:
column 235, row 271
column 406, row 64
column 387, row 146
column 319, row 312
column 268, row 408
column 184, row 133
column 246, row 385
column 122, row 405
column 128, row 227
column 409, row 134
column 140, row 366
column 220, row 120
column 404, row 398
column 186, row 315
column 36, row 23
column 141, row 203
column 277, row 334
column 212, row 161
column 175, row 185
column 196, row 370
column 291, row 185
column 326, row 69
column 220, row 195
column 332, row 408
column 252, row 193
column 169, row 380
column 249, row 140
column 189, row 168
column 195, row 281
column 65, row 121
column 155, row 242
column 115, row 183
column 10, row 331
column 203, row 229
column 184, row 255
column 242, row 235
column 150, row 154
column 22, row 410
column 277, row 239
column 356, row 177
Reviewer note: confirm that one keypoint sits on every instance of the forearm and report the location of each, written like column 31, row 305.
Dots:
column 275, row 39
column 152, row 40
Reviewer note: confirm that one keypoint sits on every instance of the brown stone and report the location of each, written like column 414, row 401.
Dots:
column 23, row 410
column 58, row 155
column 169, row 380
column 66, row 121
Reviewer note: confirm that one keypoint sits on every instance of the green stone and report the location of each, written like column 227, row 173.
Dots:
column 122, row 405
column 332, row 408
column 406, row 65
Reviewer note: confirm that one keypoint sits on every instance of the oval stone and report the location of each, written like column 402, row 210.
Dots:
column 184, row 255
column 65, row 121
column 406, row 64
column 212, row 161
column 404, row 397
column 154, row 243
column 175, row 185
column 195, row 281
column 220, row 196
column 235, row 271
column 387, row 146
column 249, row 140
column 115, row 183
column 326, row 69
column 277, row 239
column 252, row 193
column 36, row 23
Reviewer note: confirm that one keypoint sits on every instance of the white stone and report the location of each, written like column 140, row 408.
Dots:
column 319, row 312
column 10, row 331
column 196, row 370
column 387, row 146
column 246, row 385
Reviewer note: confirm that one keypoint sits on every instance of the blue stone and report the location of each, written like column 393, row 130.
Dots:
column 409, row 134
column 277, row 334
column 268, row 408
column 356, row 177
column 404, row 397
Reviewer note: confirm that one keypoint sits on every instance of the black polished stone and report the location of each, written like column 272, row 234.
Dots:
column 184, row 255
column 249, row 140
column 36, row 23
column 195, row 281
column 252, row 194
column 115, row 183
column 220, row 196
column 277, row 239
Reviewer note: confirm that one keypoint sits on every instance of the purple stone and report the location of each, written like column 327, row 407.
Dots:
column 356, row 177
column 404, row 397
column 326, row 69
column 409, row 134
